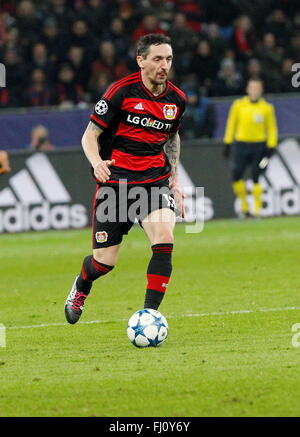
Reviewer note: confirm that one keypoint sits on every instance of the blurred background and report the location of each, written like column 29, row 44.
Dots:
column 60, row 55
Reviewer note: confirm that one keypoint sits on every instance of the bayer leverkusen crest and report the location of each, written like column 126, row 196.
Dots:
column 101, row 237
column 170, row 111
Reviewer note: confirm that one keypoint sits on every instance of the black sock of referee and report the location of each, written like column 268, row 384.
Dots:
column 90, row 271
column 158, row 274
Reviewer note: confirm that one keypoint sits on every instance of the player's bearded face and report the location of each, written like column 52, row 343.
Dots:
column 157, row 64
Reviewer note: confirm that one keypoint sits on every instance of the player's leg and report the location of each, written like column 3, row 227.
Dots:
column 159, row 226
column 107, row 236
column 238, row 183
column 257, row 191
column 101, row 262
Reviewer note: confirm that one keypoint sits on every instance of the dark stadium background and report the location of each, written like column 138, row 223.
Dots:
column 60, row 56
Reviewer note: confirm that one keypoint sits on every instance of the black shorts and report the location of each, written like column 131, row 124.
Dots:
column 247, row 155
column 116, row 208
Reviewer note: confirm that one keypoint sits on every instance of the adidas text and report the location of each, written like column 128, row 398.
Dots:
column 42, row 217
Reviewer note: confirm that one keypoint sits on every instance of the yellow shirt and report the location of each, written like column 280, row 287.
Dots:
column 251, row 122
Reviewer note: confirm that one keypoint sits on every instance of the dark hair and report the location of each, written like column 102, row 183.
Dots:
column 148, row 40
column 255, row 79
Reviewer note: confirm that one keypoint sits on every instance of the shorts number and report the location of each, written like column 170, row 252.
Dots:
column 170, row 200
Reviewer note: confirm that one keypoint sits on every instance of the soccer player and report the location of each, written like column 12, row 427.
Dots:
column 132, row 143
column 252, row 125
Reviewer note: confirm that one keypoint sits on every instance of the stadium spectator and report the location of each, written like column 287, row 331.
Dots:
column 98, row 84
column 53, row 40
column 199, row 120
column 108, row 62
column 28, row 22
column 217, row 43
column 204, row 63
column 294, row 49
column 61, row 13
column 229, row 81
column 40, row 139
column 82, row 37
column 69, row 92
column 270, row 58
column 39, row 59
column 184, row 42
column 254, row 70
column 149, row 24
column 286, row 76
column 79, row 64
column 193, row 12
column 16, row 71
column 13, row 40
column 38, row 93
column 244, row 37
column 117, row 36
column 95, row 15
column 223, row 13
column 280, row 26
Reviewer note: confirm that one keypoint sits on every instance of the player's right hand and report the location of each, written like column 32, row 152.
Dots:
column 101, row 170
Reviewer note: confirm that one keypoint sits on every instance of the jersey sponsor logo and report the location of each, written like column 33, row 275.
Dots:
column 139, row 106
column 101, row 237
column 101, row 107
column 36, row 199
column 148, row 122
column 170, row 111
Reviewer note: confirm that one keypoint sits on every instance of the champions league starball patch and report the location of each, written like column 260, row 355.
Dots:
column 101, row 107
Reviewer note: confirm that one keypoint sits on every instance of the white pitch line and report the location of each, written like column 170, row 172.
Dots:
column 225, row 313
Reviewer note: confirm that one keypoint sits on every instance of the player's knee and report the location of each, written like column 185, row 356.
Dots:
column 107, row 257
column 164, row 236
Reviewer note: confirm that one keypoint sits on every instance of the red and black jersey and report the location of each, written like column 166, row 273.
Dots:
column 136, row 125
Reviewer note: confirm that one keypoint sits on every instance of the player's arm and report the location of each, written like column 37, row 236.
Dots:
column 230, row 128
column 90, row 147
column 272, row 131
column 172, row 150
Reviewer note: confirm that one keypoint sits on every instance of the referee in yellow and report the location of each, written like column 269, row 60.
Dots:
column 252, row 127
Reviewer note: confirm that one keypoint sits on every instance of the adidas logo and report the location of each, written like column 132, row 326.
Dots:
column 280, row 181
column 36, row 199
column 139, row 106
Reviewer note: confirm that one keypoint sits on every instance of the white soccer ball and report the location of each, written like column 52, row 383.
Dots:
column 147, row 327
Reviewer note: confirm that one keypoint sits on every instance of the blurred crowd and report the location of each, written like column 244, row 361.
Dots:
column 66, row 52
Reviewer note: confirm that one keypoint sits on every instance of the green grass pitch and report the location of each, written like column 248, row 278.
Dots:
column 231, row 303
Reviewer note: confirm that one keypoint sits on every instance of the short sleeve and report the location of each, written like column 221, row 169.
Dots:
column 107, row 108
column 177, row 123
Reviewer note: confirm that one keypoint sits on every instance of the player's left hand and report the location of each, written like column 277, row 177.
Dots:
column 266, row 158
column 179, row 197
